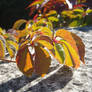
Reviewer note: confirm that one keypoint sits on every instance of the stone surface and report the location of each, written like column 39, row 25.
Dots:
column 59, row 79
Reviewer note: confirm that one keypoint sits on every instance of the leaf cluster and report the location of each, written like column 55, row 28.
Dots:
column 77, row 17
column 8, row 44
column 41, row 42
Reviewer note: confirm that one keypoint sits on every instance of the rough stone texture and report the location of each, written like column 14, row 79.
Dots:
column 59, row 79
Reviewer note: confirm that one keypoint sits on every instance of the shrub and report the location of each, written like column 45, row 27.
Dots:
column 37, row 41
column 41, row 41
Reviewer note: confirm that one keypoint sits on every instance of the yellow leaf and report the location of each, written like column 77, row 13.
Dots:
column 19, row 23
column 71, row 57
column 12, row 43
column 78, row 10
column 24, row 43
column 2, row 50
column 35, row 3
column 10, row 50
column 45, row 41
column 74, row 23
column 24, row 61
column 89, row 11
column 53, row 19
column 46, row 31
column 51, row 12
column 2, row 31
column 42, row 60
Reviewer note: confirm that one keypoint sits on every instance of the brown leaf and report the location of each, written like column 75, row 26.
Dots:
column 42, row 60
column 80, row 46
column 24, row 61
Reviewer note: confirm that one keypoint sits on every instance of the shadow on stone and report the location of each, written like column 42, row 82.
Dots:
column 54, row 82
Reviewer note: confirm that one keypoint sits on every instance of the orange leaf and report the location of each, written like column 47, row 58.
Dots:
column 42, row 60
column 66, row 35
column 24, row 61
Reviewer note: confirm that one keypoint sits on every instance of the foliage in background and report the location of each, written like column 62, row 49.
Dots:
column 77, row 17
column 58, row 12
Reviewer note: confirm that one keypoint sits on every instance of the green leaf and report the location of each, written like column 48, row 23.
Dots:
column 53, row 19
column 24, row 61
column 59, row 53
column 74, row 23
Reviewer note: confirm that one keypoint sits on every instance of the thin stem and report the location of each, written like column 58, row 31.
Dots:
column 5, row 60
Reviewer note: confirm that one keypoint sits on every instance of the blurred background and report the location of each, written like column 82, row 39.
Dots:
column 12, row 10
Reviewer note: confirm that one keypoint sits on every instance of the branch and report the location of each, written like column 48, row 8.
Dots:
column 5, row 60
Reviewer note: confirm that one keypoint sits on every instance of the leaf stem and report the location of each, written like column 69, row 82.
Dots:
column 5, row 60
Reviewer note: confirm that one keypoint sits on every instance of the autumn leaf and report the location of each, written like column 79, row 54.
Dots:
column 78, row 10
column 71, row 57
column 46, row 31
column 42, row 60
column 66, row 35
column 53, row 19
column 19, row 23
column 80, row 45
column 10, row 50
column 35, row 3
column 74, row 23
column 44, row 41
column 51, row 13
column 2, row 50
column 2, row 31
column 24, row 61
column 13, row 44
column 89, row 11
column 59, row 53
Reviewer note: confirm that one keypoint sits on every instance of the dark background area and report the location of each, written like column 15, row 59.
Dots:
column 12, row 10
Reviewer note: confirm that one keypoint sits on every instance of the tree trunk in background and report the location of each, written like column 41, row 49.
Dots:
column 12, row 10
